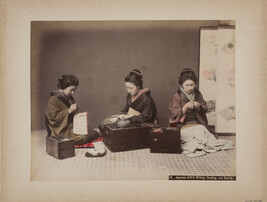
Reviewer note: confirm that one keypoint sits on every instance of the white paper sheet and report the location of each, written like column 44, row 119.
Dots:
column 80, row 124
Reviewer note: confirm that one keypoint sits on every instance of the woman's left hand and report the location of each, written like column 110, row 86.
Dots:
column 196, row 104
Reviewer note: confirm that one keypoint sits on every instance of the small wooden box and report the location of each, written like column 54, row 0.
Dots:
column 168, row 141
column 60, row 149
column 125, row 139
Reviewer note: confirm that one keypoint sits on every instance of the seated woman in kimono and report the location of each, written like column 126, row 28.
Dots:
column 139, row 108
column 61, row 109
column 188, row 108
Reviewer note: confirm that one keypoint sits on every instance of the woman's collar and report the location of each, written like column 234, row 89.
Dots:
column 142, row 91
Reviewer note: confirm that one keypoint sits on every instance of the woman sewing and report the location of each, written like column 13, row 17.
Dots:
column 188, row 108
column 139, row 108
column 61, row 109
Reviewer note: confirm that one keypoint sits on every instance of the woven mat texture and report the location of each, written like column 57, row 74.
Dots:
column 128, row 165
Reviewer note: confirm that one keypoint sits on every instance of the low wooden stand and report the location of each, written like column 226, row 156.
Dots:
column 125, row 139
column 60, row 149
column 168, row 141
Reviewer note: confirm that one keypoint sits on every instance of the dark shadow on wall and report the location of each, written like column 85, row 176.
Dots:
column 101, row 54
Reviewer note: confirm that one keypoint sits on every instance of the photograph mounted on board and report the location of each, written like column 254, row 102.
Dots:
column 133, row 100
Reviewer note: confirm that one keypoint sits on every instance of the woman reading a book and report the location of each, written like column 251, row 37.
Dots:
column 139, row 108
column 188, row 108
column 61, row 109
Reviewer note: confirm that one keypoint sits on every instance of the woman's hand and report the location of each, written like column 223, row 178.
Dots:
column 122, row 116
column 188, row 105
column 72, row 108
column 196, row 104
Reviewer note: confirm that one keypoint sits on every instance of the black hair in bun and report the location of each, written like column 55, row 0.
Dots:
column 187, row 74
column 65, row 81
column 135, row 77
column 137, row 72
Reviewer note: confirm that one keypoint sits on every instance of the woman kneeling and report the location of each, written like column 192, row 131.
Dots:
column 187, row 107
column 61, row 109
column 139, row 108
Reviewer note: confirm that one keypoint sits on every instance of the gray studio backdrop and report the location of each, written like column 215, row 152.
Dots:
column 101, row 54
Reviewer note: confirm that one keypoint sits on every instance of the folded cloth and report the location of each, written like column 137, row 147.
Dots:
column 124, row 123
column 197, row 137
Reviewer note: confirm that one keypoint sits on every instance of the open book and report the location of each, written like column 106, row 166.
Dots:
column 80, row 124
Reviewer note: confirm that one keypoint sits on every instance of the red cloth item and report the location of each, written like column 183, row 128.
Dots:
column 173, row 125
column 183, row 118
column 90, row 144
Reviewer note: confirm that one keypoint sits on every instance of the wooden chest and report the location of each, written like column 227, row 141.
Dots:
column 124, row 139
column 168, row 141
column 60, row 149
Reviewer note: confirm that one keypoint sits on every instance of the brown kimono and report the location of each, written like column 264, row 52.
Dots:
column 177, row 102
column 61, row 122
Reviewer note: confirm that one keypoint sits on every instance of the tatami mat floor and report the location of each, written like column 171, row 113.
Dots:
column 128, row 165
